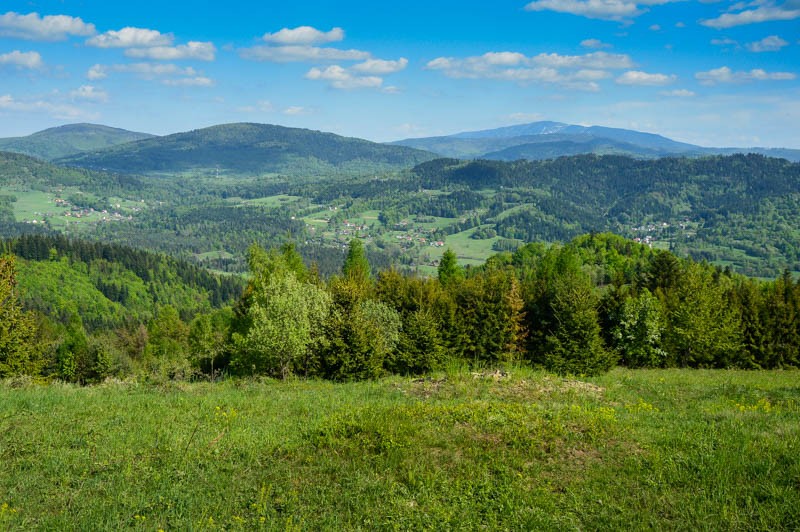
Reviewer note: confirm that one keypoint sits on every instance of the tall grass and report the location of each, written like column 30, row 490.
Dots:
column 668, row 449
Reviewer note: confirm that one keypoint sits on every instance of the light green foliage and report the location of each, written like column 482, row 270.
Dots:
column 208, row 335
column 286, row 317
column 19, row 353
column 449, row 270
column 638, row 332
column 281, row 316
column 167, row 346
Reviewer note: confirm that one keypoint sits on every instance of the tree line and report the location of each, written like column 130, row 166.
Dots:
column 578, row 308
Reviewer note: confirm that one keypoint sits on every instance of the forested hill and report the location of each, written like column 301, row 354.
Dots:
column 70, row 139
column 251, row 149
column 745, row 204
column 23, row 170
column 106, row 285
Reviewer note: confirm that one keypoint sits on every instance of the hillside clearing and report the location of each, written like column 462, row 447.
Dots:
column 665, row 449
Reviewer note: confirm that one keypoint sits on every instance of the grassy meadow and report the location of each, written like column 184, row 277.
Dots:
column 657, row 449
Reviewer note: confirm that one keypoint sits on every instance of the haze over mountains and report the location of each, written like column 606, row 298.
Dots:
column 249, row 148
column 547, row 140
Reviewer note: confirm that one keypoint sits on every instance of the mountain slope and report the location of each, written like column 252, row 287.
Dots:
column 545, row 140
column 68, row 140
column 251, row 148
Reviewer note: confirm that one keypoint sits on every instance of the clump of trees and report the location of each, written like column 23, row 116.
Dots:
column 579, row 308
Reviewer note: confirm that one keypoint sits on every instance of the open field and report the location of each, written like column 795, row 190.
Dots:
column 670, row 449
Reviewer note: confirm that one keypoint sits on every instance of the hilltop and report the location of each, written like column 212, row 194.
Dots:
column 247, row 148
column 71, row 139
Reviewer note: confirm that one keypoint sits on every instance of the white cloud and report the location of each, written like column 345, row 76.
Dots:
column 725, row 41
column 49, row 28
column 16, row 58
column 203, row 51
column 636, row 77
column 594, row 43
column 56, row 110
column 261, row 106
column 197, row 81
column 525, row 117
column 762, row 13
column 304, row 35
column 89, row 93
column 572, row 71
column 726, row 75
column 295, row 110
column 129, row 38
column 97, row 72
column 591, row 60
column 342, row 78
column 152, row 70
column 166, row 73
column 380, row 66
column 655, row 27
column 678, row 93
column 289, row 54
column 618, row 10
column 773, row 43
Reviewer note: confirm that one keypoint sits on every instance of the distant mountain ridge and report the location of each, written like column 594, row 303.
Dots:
column 63, row 141
column 547, row 140
column 250, row 148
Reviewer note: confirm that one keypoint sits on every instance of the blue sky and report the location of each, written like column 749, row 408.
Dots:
column 715, row 73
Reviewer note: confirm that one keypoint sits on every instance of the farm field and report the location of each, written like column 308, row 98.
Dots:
column 514, row 449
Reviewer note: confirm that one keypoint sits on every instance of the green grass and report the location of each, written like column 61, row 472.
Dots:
column 630, row 450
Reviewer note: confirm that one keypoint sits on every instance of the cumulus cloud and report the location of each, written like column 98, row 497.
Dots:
column 304, row 35
column 594, row 43
column 725, row 41
column 380, row 66
column 591, row 60
column 31, row 60
column 165, row 73
column 197, row 81
column 130, row 38
column 571, row 71
column 262, row 106
column 617, row 10
column 291, row 54
column 773, row 43
column 636, row 77
column 49, row 28
column 763, row 12
column 56, row 110
column 203, row 51
column 89, row 93
column 726, row 75
column 678, row 93
column 295, row 110
column 97, row 72
column 343, row 78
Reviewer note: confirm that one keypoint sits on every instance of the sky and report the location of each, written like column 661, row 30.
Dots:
column 713, row 73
